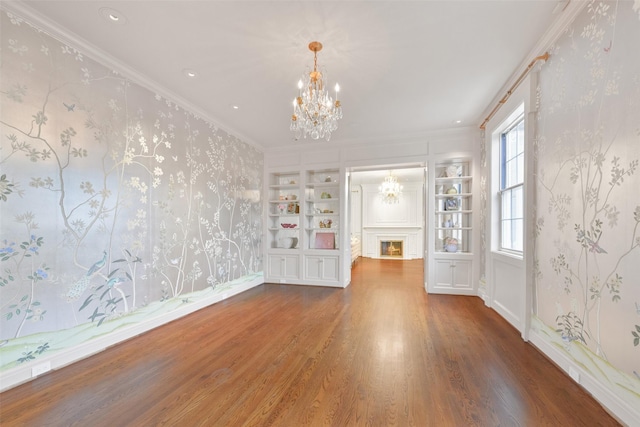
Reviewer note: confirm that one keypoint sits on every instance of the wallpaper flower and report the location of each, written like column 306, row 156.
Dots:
column 588, row 205
column 111, row 198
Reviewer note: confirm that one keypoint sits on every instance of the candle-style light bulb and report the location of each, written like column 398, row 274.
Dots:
column 337, row 90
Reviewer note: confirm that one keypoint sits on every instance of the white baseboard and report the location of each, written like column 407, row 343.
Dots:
column 624, row 412
column 507, row 314
column 23, row 373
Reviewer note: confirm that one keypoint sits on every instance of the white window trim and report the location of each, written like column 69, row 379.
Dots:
column 496, row 212
column 507, row 126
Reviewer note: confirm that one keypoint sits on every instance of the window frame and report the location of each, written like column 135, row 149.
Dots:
column 503, row 190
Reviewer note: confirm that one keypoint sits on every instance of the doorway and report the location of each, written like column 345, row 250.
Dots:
column 375, row 219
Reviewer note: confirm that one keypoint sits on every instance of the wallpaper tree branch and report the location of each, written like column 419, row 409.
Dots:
column 115, row 204
column 587, row 257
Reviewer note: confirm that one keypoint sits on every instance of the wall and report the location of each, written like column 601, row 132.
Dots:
column 505, row 289
column 410, row 151
column 119, row 210
column 586, row 224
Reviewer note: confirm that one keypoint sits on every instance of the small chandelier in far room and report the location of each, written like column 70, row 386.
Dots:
column 390, row 190
column 315, row 113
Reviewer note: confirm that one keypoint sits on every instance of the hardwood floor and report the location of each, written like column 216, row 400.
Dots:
column 380, row 353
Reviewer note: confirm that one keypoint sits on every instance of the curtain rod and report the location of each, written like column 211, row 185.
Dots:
column 544, row 57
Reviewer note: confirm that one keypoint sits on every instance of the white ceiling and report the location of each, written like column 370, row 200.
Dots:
column 406, row 68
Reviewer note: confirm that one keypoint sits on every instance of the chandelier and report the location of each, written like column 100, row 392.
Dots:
column 315, row 113
column 390, row 190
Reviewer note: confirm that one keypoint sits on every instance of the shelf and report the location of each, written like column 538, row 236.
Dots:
column 296, row 201
column 283, row 186
column 322, row 185
column 459, row 211
column 332, row 199
column 461, row 254
column 452, row 179
column 455, row 208
column 445, row 196
column 322, row 214
column 453, row 228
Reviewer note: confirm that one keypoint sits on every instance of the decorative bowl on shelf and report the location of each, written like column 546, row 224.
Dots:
column 451, row 248
column 287, row 242
column 450, row 244
column 284, row 225
column 454, row 171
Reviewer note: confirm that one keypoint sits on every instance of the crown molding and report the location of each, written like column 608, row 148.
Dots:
column 56, row 31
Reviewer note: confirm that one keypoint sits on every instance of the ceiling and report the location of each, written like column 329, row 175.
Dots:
column 406, row 68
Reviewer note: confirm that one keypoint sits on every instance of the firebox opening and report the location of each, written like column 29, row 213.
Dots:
column 391, row 248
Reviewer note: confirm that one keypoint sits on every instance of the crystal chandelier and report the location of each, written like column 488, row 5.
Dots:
column 390, row 190
column 315, row 113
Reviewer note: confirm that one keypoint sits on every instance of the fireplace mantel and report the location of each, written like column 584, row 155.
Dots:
column 411, row 239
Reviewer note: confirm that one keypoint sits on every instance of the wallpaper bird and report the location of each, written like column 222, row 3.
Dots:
column 78, row 288
column 98, row 265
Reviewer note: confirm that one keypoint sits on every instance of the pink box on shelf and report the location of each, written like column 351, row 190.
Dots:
column 325, row 240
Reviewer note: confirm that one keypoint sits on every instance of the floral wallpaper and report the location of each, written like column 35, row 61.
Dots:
column 587, row 256
column 115, row 203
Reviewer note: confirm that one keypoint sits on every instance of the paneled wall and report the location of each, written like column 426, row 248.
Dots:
column 403, row 221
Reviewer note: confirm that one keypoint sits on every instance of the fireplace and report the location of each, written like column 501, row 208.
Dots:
column 391, row 248
column 399, row 243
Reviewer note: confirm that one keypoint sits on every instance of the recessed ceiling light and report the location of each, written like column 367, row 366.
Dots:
column 190, row 73
column 235, row 107
column 456, row 122
column 112, row 16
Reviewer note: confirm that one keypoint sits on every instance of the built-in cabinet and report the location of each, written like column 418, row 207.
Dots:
column 322, row 268
column 451, row 231
column 304, row 233
column 322, row 209
column 283, row 211
column 452, row 273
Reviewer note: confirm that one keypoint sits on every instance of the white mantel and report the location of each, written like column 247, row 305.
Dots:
column 411, row 238
column 397, row 222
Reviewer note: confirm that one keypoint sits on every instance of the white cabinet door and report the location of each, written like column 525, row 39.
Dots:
column 283, row 267
column 452, row 274
column 461, row 274
column 324, row 268
column 443, row 274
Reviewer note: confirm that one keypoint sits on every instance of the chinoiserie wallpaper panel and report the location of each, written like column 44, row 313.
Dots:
column 116, row 204
column 587, row 256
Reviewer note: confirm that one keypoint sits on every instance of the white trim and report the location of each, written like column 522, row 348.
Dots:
column 22, row 373
column 617, row 408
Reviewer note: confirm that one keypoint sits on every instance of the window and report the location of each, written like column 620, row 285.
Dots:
column 511, row 192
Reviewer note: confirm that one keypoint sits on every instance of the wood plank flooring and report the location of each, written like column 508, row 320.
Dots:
column 380, row 353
